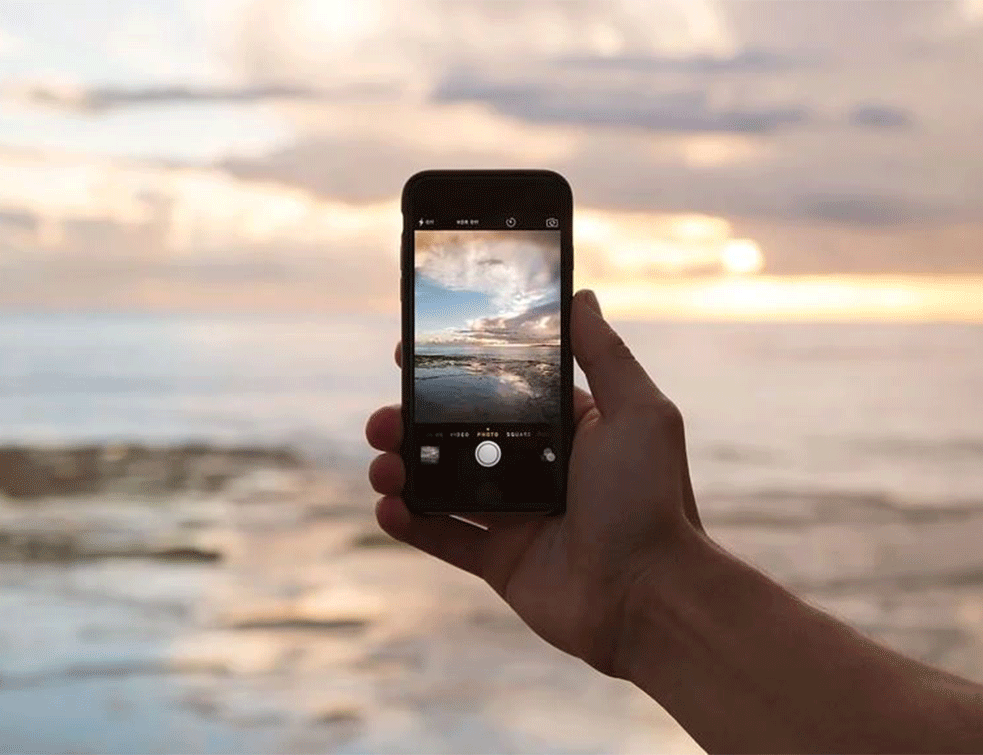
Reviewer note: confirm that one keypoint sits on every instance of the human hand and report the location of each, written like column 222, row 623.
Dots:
column 629, row 498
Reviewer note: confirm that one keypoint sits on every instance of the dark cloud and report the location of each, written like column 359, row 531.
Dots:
column 686, row 111
column 108, row 98
column 354, row 168
column 613, row 171
column 881, row 117
column 537, row 324
column 18, row 220
column 746, row 61
column 869, row 209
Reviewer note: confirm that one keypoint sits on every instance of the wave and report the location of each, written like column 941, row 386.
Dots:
column 926, row 581
column 776, row 508
column 968, row 448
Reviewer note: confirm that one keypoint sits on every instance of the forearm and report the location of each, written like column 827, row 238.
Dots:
column 743, row 665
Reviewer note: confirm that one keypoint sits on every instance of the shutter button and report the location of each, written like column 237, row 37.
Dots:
column 488, row 453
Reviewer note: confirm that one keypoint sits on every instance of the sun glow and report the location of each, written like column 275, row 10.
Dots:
column 797, row 298
column 652, row 243
column 644, row 265
column 340, row 21
column 741, row 257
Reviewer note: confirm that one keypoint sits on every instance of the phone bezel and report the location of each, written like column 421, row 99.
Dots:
column 485, row 194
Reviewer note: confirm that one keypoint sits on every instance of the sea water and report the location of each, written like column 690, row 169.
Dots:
column 843, row 459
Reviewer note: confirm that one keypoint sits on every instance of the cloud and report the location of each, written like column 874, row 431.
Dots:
column 689, row 111
column 757, row 61
column 94, row 100
column 518, row 272
column 417, row 41
column 113, row 228
column 818, row 130
column 516, row 269
column 766, row 110
column 10, row 44
column 870, row 209
column 539, row 325
column 881, row 117
column 737, row 109
column 862, row 30
column 351, row 167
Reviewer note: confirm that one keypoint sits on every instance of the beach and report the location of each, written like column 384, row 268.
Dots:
column 189, row 559
column 512, row 384
column 270, row 615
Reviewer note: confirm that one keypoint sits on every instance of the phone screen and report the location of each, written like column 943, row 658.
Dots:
column 488, row 346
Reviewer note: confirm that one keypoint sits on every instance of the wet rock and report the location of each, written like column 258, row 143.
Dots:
column 395, row 657
column 39, row 545
column 375, row 539
column 30, row 473
column 335, row 608
column 187, row 554
column 254, row 718
column 338, row 714
column 237, row 653
column 347, row 626
column 53, row 545
column 204, row 707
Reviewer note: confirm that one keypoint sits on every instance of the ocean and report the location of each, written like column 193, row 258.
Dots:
column 843, row 459
column 849, row 408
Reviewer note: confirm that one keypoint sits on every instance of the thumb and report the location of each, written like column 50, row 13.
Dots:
column 615, row 377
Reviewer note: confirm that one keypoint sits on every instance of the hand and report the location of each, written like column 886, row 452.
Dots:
column 629, row 496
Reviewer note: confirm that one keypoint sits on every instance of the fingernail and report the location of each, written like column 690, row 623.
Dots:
column 591, row 300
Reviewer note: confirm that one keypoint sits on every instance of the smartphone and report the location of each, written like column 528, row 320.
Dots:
column 487, row 277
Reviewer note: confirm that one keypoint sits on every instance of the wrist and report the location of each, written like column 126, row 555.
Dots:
column 657, row 590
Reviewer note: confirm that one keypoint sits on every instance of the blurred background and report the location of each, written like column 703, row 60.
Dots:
column 778, row 203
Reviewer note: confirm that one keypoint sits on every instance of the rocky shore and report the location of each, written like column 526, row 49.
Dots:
column 83, row 503
column 456, row 388
column 227, row 600
column 249, row 599
column 37, row 472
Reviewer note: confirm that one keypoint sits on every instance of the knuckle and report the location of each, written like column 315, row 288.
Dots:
column 618, row 349
column 665, row 415
column 671, row 413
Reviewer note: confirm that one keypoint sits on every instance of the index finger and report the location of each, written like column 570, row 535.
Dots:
column 384, row 429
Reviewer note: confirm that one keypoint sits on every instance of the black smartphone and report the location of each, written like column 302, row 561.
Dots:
column 487, row 278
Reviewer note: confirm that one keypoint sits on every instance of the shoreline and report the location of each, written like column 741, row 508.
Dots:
column 270, row 613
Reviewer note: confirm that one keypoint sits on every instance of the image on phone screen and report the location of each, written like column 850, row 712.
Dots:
column 487, row 341
column 487, row 384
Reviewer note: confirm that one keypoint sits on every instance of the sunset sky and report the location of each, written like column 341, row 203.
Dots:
column 748, row 160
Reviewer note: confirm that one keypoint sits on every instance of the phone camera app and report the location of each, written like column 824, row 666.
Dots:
column 548, row 455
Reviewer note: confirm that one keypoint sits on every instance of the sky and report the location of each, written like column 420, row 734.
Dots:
column 493, row 288
column 729, row 160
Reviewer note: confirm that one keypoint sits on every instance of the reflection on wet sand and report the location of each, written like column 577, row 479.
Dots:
column 311, row 631
column 486, row 387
